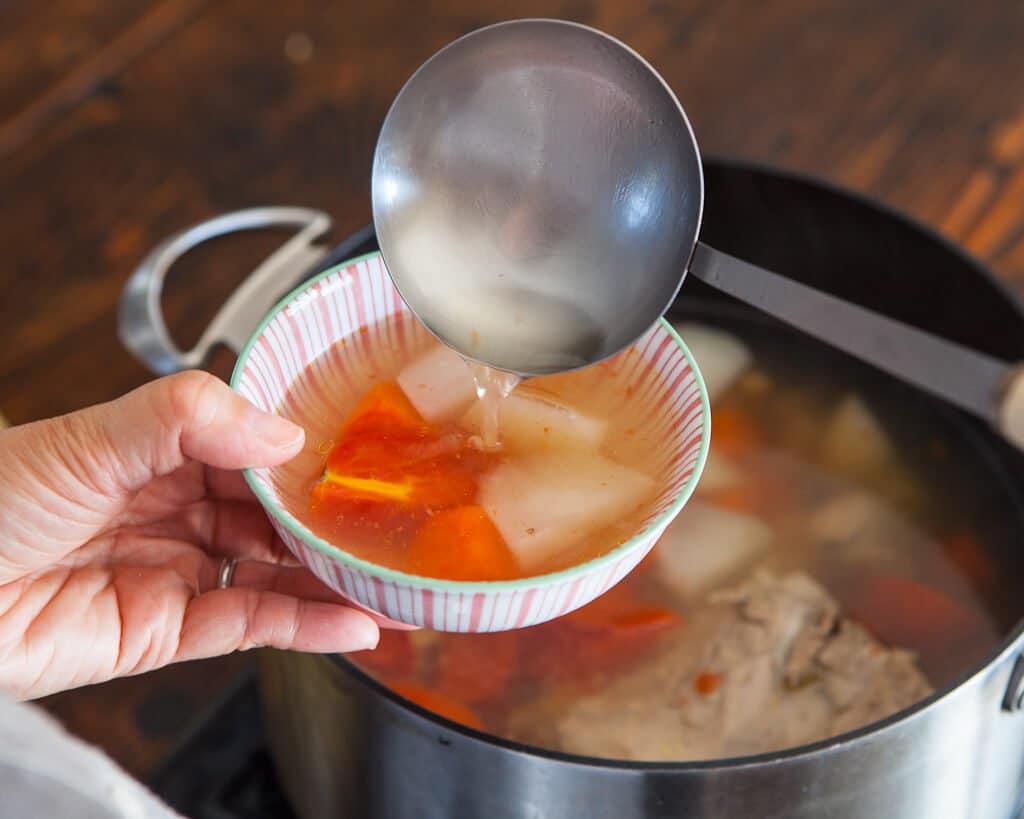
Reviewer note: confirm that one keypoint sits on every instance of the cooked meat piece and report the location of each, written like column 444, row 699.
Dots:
column 764, row 666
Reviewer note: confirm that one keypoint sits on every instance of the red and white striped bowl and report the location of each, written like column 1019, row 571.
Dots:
column 359, row 294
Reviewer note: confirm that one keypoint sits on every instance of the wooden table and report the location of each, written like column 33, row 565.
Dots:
column 122, row 122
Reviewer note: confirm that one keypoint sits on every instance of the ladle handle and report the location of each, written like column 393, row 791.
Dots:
column 978, row 383
column 1011, row 408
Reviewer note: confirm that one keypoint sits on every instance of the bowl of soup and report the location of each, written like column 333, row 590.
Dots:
column 445, row 496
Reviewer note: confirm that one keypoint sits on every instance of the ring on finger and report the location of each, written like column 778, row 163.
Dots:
column 226, row 573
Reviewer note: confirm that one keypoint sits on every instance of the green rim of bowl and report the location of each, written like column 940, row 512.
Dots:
column 339, row 555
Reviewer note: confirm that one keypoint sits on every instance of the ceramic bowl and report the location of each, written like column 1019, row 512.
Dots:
column 348, row 302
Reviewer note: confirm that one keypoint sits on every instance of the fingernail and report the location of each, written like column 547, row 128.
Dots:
column 274, row 430
column 365, row 634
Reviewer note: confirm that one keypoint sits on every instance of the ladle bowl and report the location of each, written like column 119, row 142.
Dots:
column 537, row 196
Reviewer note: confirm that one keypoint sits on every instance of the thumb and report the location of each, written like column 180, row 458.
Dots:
column 61, row 479
column 162, row 425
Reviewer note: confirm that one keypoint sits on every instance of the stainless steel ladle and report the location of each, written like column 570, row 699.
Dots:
column 537, row 196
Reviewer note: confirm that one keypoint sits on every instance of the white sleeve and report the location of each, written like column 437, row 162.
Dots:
column 44, row 771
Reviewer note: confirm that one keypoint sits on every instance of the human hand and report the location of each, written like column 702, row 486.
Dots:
column 113, row 524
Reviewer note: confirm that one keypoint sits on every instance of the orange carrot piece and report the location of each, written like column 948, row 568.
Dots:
column 461, row 543
column 706, row 683
column 733, row 432
column 602, row 636
column 648, row 617
column 742, row 499
column 385, row 407
column 903, row 612
column 619, row 608
column 388, row 471
column 439, row 704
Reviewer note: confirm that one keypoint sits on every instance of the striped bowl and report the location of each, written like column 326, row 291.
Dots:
column 352, row 298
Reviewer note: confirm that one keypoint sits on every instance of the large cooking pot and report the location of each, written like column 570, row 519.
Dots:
column 346, row 747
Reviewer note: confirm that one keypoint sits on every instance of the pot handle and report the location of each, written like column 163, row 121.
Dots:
column 141, row 325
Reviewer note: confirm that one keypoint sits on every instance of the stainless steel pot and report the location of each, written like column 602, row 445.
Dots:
column 346, row 747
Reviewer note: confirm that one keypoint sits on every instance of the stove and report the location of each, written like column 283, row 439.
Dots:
column 223, row 770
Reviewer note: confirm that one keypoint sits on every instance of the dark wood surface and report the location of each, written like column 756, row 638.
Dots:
column 122, row 122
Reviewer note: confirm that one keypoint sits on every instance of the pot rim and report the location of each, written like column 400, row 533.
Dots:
column 1011, row 644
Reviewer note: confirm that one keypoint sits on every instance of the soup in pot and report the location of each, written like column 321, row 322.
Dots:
column 828, row 572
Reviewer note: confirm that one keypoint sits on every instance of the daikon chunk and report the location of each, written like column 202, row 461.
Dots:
column 720, row 473
column 439, row 383
column 546, row 504
column 859, row 529
column 855, row 441
column 845, row 517
column 706, row 546
column 532, row 421
column 721, row 357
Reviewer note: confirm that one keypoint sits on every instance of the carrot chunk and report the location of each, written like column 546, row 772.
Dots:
column 619, row 608
column 903, row 612
column 461, row 543
column 599, row 638
column 385, row 408
column 706, row 683
column 440, row 704
column 733, row 432
column 387, row 473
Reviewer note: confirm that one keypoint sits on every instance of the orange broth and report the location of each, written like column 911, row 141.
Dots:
column 381, row 482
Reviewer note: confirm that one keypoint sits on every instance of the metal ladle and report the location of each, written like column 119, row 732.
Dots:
column 537, row 196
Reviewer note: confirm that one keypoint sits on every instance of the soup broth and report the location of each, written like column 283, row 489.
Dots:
column 415, row 482
column 805, row 481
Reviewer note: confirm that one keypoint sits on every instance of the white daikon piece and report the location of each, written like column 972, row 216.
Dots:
column 855, row 441
column 531, row 421
column 706, row 546
column 439, row 383
column 546, row 504
column 844, row 517
column 721, row 357
column 720, row 473
column 859, row 529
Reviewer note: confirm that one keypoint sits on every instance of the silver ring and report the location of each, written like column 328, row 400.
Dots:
column 226, row 573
